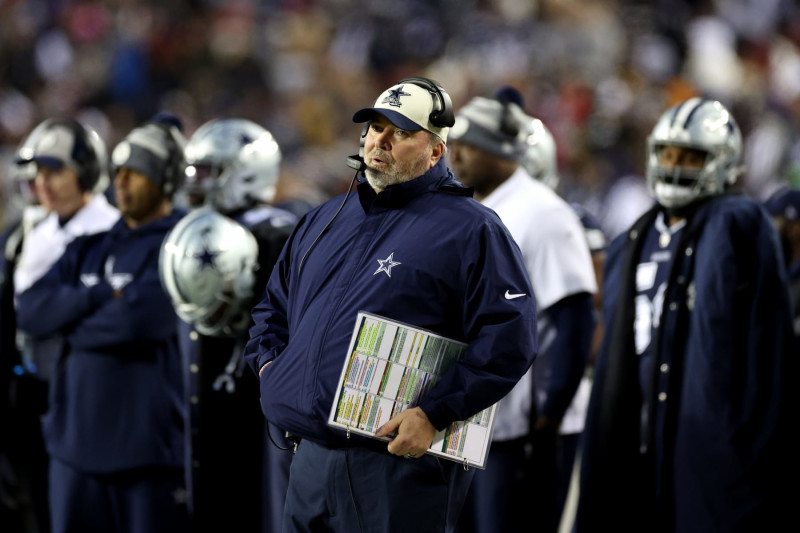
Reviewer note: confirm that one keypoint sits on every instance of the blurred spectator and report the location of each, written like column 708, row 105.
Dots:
column 598, row 72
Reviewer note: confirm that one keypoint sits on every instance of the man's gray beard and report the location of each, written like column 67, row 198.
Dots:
column 380, row 180
column 398, row 173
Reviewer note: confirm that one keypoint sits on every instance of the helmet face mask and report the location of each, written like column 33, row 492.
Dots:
column 699, row 125
column 208, row 265
column 199, row 183
column 232, row 165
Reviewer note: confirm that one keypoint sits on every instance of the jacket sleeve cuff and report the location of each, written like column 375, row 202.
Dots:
column 439, row 418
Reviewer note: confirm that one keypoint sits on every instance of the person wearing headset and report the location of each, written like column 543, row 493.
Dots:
column 413, row 246
column 114, row 426
column 70, row 161
column 61, row 170
column 489, row 141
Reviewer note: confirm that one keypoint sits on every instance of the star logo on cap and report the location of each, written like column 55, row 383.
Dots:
column 386, row 265
column 393, row 99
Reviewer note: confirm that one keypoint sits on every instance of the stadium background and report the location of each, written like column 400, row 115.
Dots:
column 597, row 72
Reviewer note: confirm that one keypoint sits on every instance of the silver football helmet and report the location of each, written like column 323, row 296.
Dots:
column 232, row 164
column 700, row 124
column 540, row 155
column 208, row 266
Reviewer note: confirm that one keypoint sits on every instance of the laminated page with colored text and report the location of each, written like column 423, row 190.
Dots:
column 389, row 368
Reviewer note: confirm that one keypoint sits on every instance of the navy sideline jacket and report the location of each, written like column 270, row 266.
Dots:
column 421, row 252
column 721, row 390
column 116, row 399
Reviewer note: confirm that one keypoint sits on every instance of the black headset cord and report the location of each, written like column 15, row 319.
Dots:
column 346, row 196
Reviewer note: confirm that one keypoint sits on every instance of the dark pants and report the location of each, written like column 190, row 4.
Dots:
column 361, row 490
column 147, row 500
column 518, row 490
column 498, row 498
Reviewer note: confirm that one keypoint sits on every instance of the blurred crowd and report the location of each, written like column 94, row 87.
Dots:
column 598, row 73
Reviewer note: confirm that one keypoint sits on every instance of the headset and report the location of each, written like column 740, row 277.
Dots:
column 442, row 115
column 83, row 152
column 174, row 166
column 510, row 124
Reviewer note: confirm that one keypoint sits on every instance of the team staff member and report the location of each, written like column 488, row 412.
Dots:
column 114, row 427
column 412, row 246
column 690, row 421
column 62, row 166
column 489, row 140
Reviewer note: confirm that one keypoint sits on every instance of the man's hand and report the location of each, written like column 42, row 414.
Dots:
column 413, row 433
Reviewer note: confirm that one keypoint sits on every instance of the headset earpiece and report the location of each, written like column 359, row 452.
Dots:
column 173, row 169
column 509, row 124
column 83, row 153
column 442, row 115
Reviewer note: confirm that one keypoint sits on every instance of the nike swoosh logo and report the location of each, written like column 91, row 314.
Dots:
column 510, row 296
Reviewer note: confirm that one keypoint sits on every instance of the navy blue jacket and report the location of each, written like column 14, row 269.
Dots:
column 116, row 399
column 720, row 390
column 10, row 247
column 421, row 252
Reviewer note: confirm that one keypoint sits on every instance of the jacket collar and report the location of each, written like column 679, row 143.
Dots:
column 160, row 225
column 438, row 178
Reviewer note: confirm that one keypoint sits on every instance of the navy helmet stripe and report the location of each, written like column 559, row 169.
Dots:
column 693, row 111
column 676, row 113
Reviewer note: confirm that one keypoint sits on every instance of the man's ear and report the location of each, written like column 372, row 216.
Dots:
column 437, row 153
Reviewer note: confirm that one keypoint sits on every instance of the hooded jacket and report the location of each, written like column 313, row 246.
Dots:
column 116, row 396
column 421, row 252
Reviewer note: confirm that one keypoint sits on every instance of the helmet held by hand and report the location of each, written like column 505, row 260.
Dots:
column 208, row 265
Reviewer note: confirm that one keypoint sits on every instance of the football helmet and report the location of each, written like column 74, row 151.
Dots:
column 699, row 124
column 207, row 265
column 540, row 154
column 232, row 164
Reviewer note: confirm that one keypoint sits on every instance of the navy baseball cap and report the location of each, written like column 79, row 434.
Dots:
column 784, row 203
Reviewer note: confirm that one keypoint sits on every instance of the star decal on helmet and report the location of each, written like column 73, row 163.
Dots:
column 393, row 99
column 206, row 257
column 386, row 265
